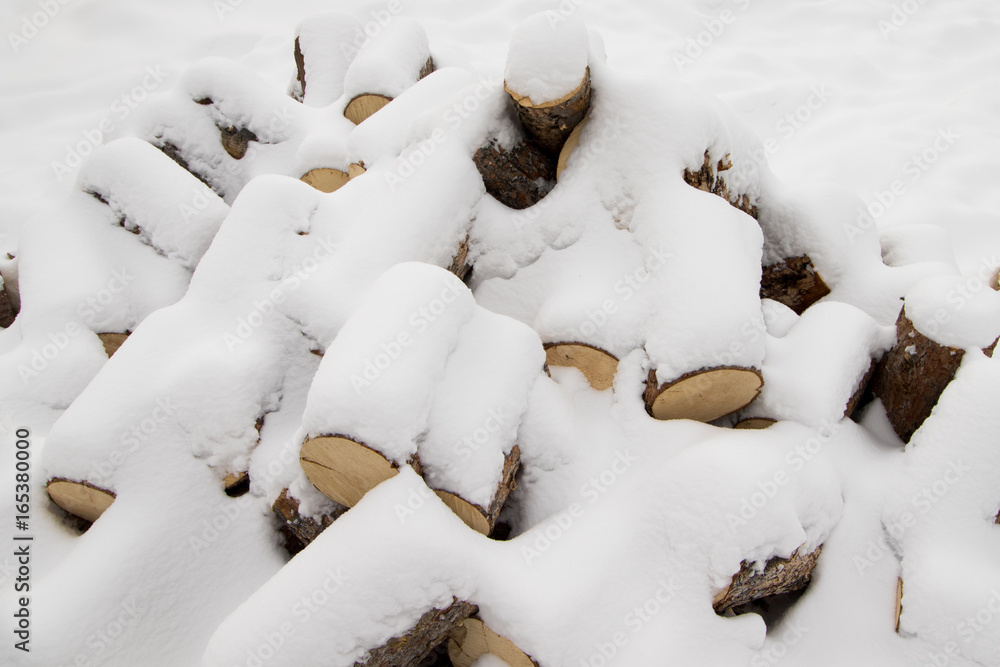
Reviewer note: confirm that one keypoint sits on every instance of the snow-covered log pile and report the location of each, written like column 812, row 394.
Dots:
column 473, row 352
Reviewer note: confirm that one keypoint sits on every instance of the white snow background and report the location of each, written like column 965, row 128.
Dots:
column 625, row 525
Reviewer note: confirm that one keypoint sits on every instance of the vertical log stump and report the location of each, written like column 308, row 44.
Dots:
column 598, row 366
column 780, row 575
column 703, row 395
column 911, row 377
column 386, row 66
column 471, row 640
column 80, row 499
column 793, row 282
column 549, row 109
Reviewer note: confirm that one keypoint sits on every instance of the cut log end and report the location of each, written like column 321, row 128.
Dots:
column 755, row 423
column 793, row 282
column 342, row 469
column 112, row 341
column 780, row 575
column 911, row 376
column 80, row 498
column 482, row 520
column 473, row 639
column 363, row 106
column 326, row 180
column 703, row 395
column 550, row 123
column 597, row 366
column 572, row 141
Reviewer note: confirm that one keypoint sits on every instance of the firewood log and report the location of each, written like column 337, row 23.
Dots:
column 780, row 575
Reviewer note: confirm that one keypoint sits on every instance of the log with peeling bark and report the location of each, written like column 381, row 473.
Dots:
column 549, row 124
column 703, row 395
column 431, row 631
column 302, row 529
column 794, row 282
column 709, row 178
column 473, row 639
column 517, row 177
column 7, row 312
column 344, row 470
column 112, row 341
column 80, row 499
column 598, row 366
column 326, row 179
column 911, row 376
column 779, row 576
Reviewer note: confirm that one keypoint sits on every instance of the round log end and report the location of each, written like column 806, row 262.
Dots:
column 342, row 469
column 363, row 106
column 80, row 498
column 472, row 640
column 597, row 366
column 326, row 180
column 473, row 517
column 706, row 395
column 112, row 341
column 572, row 141
column 755, row 423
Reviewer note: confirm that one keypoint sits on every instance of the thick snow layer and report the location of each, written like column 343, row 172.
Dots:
column 390, row 62
column 328, row 43
column 548, row 57
column 168, row 207
column 956, row 311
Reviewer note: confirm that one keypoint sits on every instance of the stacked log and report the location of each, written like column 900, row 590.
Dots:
column 703, row 395
column 324, row 49
column 779, row 576
column 80, row 499
column 709, row 177
column 794, row 282
column 597, row 365
column 518, row 176
column 353, row 444
column 385, row 67
column 473, row 639
column 300, row 531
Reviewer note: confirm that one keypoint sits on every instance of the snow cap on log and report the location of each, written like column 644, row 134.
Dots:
column 167, row 207
column 386, row 66
column 325, row 46
column 955, row 311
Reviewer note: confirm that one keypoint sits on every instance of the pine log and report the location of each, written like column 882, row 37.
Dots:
column 326, row 179
column 794, row 282
column 7, row 312
column 707, row 178
column 80, row 499
column 598, row 366
column 754, row 423
column 519, row 177
column 549, row 124
column 431, row 631
column 899, row 601
column 344, row 470
column 703, row 395
column 235, row 140
column 112, row 341
column 362, row 106
column 780, row 575
column 911, row 376
column 471, row 640
column 304, row 529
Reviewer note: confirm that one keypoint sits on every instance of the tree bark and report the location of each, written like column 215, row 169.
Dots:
column 707, row 178
column 911, row 376
column 303, row 529
column 793, row 282
column 780, row 575
column 703, row 395
column 484, row 520
column 519, row 177
column 430, row 631
column 7, row 312
column 550, row 123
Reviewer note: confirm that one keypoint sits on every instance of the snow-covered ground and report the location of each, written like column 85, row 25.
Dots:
column 625, row 527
